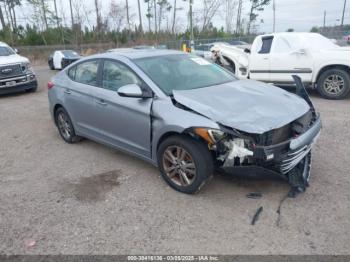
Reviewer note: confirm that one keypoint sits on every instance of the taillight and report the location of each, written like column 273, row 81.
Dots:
column 50, row 85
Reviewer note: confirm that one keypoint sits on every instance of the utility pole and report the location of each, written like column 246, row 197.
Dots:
column 342, row 19
column 191, row 26
column 324, row 19
column 274, row 16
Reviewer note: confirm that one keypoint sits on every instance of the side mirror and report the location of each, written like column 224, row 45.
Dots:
column 133, row 90
column 247, row 50
column 16, row 50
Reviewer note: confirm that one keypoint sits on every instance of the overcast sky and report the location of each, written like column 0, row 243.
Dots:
column 300, row 15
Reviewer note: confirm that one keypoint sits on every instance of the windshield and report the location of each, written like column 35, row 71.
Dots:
column 6, row 51
column 70, row 53
column 183, row 72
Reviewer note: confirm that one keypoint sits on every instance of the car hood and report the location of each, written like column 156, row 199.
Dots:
column 246, row 105
column 12, row 59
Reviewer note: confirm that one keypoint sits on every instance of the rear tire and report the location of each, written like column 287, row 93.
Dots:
column 65, row 126
column 334, row 84
column 185, row 164
column 51, row 65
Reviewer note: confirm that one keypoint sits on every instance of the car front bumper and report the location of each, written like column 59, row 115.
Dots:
column 290, row 160
column 21, row 83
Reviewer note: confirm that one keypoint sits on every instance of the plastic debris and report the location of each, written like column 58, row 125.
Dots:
column 257, row 215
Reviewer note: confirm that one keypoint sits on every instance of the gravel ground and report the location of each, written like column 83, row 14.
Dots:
column 85, row 198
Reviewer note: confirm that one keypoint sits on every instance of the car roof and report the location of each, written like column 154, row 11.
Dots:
column 139, row 53
column 3, row 44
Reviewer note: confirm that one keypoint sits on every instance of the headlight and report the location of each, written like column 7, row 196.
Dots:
column 212, row 136
column 25, row 66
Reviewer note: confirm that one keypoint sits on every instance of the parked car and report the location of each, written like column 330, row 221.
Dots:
column 16, row 74
column 275, row 57
column 186, row 115
column 203, row 50
column 62, row 58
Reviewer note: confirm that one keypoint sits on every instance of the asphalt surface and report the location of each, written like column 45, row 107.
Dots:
column 86, row 198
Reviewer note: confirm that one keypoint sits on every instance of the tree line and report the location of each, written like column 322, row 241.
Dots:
column 44, row 23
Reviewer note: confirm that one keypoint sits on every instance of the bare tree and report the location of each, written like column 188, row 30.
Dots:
column 98, row 17
column 71, row 13
column 127, row 13
column 209, row 11
column 3, row 24
column 164, row 6
column 149, row 14
column 117, row 15
column 140, row 15
column 230, row 7
column 174, row 18
column 256, row 6
column 239, row 17
column 155, row 15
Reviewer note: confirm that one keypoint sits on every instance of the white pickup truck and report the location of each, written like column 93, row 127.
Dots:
column 274, row 58
column 15, row 72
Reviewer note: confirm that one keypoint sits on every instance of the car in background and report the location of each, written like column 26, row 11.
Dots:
column 203, row 50
column 187, row 116
column 274, row 58
column 62, row 58
column 16, row 74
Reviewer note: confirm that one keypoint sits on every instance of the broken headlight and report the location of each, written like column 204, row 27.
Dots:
column 212, row 136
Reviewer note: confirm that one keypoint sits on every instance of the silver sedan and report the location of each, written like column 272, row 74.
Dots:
column 185, row 115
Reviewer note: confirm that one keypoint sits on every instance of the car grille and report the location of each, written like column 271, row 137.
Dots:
column 293, row 158
column 10, row 71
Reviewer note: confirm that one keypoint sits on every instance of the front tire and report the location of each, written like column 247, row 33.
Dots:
column 334, row 84
column 185, row 164
column 65, row 126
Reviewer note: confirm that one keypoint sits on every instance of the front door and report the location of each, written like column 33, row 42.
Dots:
column 288, row 58
column 259, row 59
column 122, row 121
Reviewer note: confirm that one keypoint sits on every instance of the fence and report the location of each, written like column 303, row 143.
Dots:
column 38, row 54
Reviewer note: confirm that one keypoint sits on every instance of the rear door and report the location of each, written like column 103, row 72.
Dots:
column 78, row 99
column 122, row 121
column 259, row 59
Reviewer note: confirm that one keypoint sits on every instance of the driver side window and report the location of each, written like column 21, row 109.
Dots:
column 116, row 75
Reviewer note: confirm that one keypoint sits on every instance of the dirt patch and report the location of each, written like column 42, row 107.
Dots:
column 94, row 188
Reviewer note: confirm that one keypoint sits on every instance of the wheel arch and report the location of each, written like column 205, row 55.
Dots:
column 333, row 66
column 55, row 108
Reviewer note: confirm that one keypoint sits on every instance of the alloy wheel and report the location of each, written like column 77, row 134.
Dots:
column 179, row 166
column 334, row 84
column 64, row 125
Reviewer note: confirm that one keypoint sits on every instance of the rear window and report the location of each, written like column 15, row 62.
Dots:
column 85, row 72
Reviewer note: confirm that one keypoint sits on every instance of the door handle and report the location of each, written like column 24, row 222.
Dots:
column 265, row 58
column 101, row 102
column 67, row 91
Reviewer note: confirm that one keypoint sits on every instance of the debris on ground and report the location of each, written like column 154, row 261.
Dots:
column 29, row 242
column 254, row 195
column 257, row 215
column 279, row 209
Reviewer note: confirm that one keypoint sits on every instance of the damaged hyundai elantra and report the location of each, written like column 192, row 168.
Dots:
column 187, row 116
